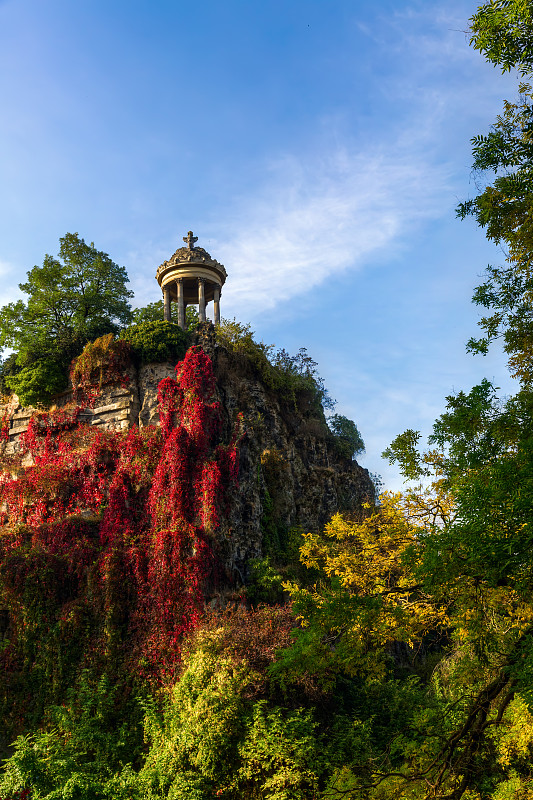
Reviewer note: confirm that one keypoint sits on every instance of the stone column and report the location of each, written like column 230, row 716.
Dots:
column 201, row 300
column 166, row 302
column 216, row 303
column 181, row 304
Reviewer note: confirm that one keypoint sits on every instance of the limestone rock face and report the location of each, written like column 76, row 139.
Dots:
column 148, row 380
column 290, row 474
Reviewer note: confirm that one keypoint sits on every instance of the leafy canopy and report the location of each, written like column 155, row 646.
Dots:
column 503, row 31
column 348, row 440
column 71, row 300
column 503, row 158
column 156, row 341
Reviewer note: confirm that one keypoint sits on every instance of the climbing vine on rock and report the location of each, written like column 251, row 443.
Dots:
column 103, row 361
column 109, row 537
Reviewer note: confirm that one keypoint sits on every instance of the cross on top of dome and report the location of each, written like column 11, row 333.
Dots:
column 190, row 240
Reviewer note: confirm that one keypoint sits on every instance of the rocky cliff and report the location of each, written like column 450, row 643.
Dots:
column 290, row 473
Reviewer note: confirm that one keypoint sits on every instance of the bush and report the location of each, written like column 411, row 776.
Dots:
column 294, row 376
column 102, row 362
column 239, row 338
column 348, row 440
column 156, row 341
column 38, row 382
column 86, row 752
column 222, row 735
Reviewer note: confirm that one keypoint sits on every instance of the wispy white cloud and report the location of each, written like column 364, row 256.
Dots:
column 318, row 216
column 342, row 202
column 314, row 216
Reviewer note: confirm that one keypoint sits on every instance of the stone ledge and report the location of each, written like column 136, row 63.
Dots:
column 120, row 414
column 110, row 407
column 23, row 414
column 18, row 430
column 112, row 424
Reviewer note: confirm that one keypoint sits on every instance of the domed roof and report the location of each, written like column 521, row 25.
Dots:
column 189, row 256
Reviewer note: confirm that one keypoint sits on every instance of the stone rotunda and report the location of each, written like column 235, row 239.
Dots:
column 191, row 276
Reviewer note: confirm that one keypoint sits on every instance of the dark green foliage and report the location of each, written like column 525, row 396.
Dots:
column 503, row 160
column 295, row 376
column 38, row 382
column 70, row 301
column 8, row 368
column 191, row 318
column 348, row 440
column 488, row 461
column 50, row 625
column 87, row 750
column 503, row 31
column 156, row 341
column 471, row 430
column 265, row 583
column 154, row 312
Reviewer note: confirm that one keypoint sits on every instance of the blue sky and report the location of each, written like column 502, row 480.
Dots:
column 318, row 149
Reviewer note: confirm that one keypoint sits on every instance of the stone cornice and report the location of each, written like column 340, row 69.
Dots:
column 189, row 258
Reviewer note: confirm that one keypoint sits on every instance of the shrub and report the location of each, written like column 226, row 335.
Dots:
column 84, row 755
column 239, row 338
column 8, row 368
column 348, row 440
column 222, row 735
column 102, row 361
column 156, row 340
column 38, row 382
column 294, row 376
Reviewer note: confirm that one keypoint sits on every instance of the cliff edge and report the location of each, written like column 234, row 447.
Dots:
column 291, row 473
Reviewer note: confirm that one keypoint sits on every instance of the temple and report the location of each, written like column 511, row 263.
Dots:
column 191, row 276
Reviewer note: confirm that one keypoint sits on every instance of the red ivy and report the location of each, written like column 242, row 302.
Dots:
column 132, row 516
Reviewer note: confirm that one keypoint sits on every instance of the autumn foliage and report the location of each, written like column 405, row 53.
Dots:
column 109, row 539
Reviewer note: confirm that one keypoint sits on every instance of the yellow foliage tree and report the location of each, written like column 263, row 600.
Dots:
column 367, row 595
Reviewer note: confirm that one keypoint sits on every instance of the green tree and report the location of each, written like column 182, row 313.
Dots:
column 503, row 158
column 503, row 31
column 348, row 440
column 477, row 560
column 71, row 300
column 505, row 210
